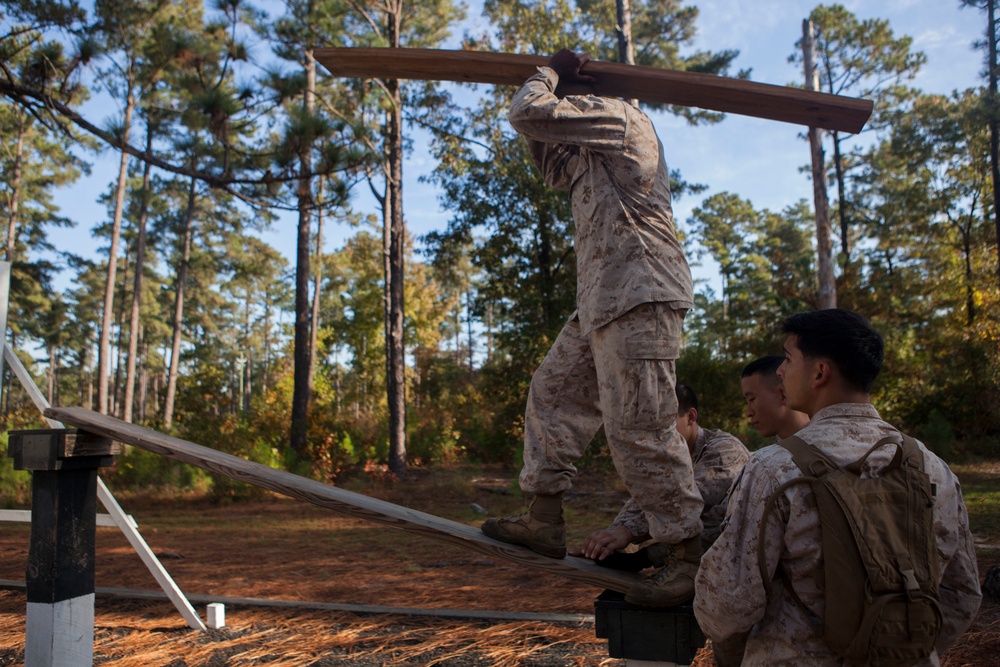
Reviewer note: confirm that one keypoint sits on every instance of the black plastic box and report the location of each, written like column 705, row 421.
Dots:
column 667, row 634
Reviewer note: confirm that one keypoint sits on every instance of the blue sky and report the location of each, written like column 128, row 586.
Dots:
column 757, row 159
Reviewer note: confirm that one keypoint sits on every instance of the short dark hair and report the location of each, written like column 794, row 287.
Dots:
column 765, row 366
column 686, row 398
column 844, row 337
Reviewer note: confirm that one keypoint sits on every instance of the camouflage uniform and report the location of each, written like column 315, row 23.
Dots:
column 730, row 597
column 613, row 362
column 718, row 459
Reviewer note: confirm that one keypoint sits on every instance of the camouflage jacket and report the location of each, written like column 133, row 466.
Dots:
column 606, row 153
column 730, row 597
column 718, row 459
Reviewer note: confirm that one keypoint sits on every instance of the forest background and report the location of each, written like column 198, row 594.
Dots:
column 215, row 307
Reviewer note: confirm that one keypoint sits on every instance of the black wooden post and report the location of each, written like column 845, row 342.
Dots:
column 59, row 628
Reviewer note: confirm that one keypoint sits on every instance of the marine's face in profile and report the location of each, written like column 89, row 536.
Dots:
column 765, row 403
column 796, row 373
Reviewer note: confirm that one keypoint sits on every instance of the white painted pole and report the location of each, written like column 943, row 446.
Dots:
column 60, row 634
column 28, row 383
column 24, row 516
column 148, row 557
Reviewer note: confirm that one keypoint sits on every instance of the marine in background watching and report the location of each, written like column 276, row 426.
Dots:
column 718, row 458
column 832, row 358
column 767, row 404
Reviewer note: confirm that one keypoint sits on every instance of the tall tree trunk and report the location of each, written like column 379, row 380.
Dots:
column 157, row 389
column 90, row 378
column 52, row 374
column 546, row 262
column 15, row 186
column 840, row 176
column 247, row 384
column 266, row 375
column 459, row 352
column 119, row 350
column 489, row 331
column 395, row 349
column 317, row 283
column 468, row 327
column 103, row 357
column 143, row 377
column 970, row 291
column 623, row 28
column 244, row 359
column 181, row 281
column 140, row 260
column 842, row 204
column 824, row 247
column 302, row 355
column 994, row 106
column 725, row 296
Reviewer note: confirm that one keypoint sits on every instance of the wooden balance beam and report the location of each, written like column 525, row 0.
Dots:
column 339, row 500
column 649, row 84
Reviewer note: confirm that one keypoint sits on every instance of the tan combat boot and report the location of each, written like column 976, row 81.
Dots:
column 541, row 528
column 673, row 583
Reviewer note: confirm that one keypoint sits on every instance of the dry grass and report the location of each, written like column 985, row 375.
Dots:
column 142, row 633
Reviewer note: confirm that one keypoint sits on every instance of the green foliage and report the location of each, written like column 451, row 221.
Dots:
column 15, row 485
column 944, row 390
column 861, row 57
column 716, row 381
column 981, row 492
column 237, row 436
column 938, row 434
column 499, row 279
column 138, row 470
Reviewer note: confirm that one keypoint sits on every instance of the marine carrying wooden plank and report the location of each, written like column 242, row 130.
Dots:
column 649, row 84
column 339, row 500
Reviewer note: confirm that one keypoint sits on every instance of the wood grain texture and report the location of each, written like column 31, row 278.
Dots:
column 649, row 84
column 339, row 500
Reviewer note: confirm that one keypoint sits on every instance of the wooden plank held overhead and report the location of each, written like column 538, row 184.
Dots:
column 339, row 500
column 649, row 84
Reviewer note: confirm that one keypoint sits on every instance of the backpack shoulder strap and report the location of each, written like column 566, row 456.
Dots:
column 913, row 456
column 810, row 460
column 812, row 463
column 911, row 453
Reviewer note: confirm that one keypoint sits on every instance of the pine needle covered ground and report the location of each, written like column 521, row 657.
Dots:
column 281, row 549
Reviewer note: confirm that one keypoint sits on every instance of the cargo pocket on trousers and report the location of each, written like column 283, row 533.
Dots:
column 649, row 401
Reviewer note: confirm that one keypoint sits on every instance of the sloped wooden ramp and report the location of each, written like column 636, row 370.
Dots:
column 338, row 500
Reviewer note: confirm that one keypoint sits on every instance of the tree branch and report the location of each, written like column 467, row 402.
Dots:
column 33, row 100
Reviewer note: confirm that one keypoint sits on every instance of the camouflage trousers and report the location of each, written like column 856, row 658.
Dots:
column 622, row 375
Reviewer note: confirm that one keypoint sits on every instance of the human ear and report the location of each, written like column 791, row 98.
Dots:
column 821, row 373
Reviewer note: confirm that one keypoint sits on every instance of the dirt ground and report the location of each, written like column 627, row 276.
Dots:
column 281, row 549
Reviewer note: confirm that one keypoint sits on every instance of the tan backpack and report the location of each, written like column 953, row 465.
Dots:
column 880, row 562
